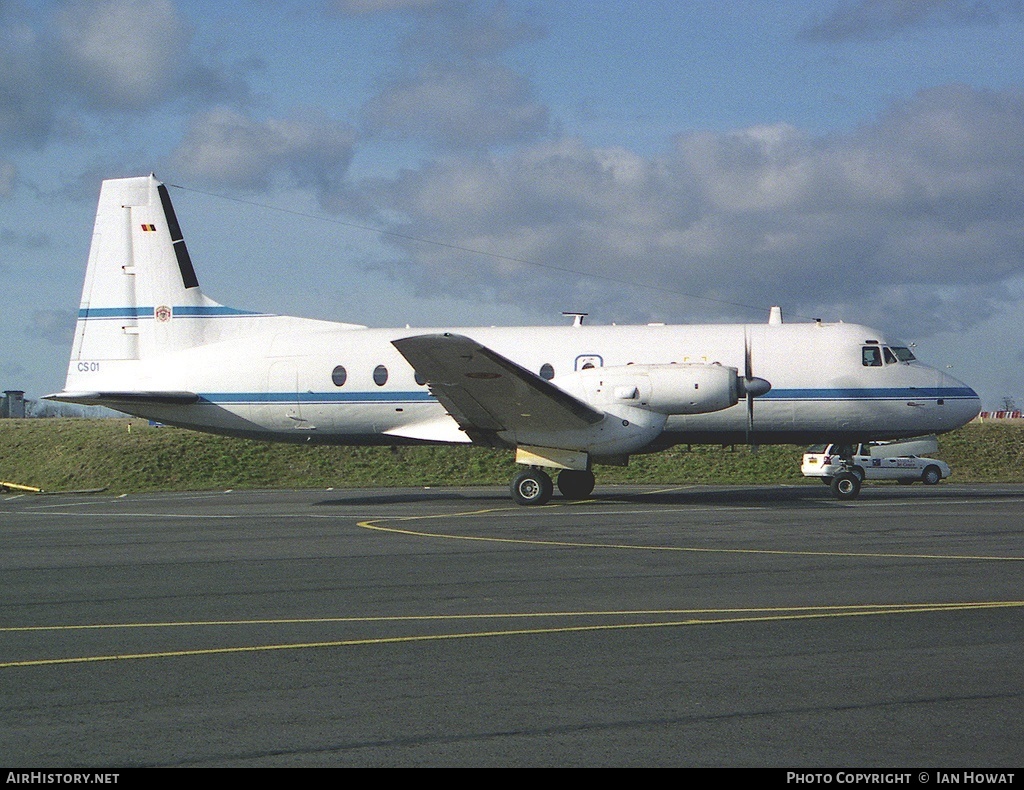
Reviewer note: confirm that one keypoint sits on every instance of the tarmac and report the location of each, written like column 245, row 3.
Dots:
column 673, row 626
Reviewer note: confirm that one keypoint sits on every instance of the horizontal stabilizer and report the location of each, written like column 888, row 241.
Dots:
column 112, row 399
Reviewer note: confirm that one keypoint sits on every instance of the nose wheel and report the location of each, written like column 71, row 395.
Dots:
column 845, row 485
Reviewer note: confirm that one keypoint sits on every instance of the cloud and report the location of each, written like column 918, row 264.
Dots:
column 54, row 326
column 89, row 59
column 853, row 19
column 468, row 31
column 915, row 221
column 453, row 91
column 12, row 242
column 8, row 178
column 30, row 241
column 226, row 148
column 123, row 53
column 471, row 105
column 384, row 6
column 27, row 97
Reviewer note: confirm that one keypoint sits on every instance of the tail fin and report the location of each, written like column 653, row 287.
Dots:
column 140, row 276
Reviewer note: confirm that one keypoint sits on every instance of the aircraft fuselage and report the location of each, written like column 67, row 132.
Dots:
column 281, row 385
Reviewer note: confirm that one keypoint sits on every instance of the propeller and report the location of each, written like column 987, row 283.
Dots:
column 750, row 385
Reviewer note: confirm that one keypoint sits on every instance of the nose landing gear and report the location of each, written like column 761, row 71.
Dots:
column 845, row 485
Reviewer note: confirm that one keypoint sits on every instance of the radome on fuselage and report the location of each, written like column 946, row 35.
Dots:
column 148, row 342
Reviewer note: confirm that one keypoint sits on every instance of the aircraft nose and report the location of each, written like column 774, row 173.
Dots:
column 964, row 401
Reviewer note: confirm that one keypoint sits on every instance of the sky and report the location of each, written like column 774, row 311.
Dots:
column 469, row 162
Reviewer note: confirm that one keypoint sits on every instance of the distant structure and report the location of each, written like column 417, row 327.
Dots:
column 13, row 404
column 1002, row 414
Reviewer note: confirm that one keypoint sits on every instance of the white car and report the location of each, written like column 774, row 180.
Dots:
column 872, row 461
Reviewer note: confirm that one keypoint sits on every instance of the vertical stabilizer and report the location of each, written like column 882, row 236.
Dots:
column 141, row 301
column 140, row 278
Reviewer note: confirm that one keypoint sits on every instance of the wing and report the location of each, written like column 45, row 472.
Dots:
column 487, row 393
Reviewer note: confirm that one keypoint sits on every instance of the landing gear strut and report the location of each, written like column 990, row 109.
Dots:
column 846, row 484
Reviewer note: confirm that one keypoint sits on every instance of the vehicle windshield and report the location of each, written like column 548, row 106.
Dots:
column 903, row 354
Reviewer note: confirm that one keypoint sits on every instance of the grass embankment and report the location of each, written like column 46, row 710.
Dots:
column 62, row 455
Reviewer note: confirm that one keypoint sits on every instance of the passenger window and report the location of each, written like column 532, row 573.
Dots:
column 547, row 372
column 421, row 380
column 890, row 358
column 339, row 376
column 871, row 357
column 380, row 375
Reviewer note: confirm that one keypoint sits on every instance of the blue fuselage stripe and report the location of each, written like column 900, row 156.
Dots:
column 177, row 311
column 316, row 397
column 869, row 393
column 781, row 395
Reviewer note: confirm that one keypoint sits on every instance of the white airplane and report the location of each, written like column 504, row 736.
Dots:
column 149, row 342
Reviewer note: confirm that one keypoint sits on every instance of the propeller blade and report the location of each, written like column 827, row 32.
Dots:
column 748, row 373
column 750, row 385
column 748, row 366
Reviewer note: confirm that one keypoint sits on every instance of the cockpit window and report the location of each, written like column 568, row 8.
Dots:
column 890, row 358
column 903, row 354
column 871, row 357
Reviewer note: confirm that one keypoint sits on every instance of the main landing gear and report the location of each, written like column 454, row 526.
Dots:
column 533, row 486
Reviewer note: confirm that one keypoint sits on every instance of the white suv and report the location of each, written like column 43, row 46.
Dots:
column 872, row 461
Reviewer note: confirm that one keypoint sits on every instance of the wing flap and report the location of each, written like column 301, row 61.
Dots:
column 441, row 430
column 486, row 392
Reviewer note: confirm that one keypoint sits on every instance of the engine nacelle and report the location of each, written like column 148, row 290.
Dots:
column 665, row 389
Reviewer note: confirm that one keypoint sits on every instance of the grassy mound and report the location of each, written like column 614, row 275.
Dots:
column 66, row 454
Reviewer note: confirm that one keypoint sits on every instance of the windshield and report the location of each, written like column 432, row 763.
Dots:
column 903, row 354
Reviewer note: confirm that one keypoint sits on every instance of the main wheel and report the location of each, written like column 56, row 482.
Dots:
column 931, row 476
column 532, row 487
column 574, row 484
column 845, row 485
